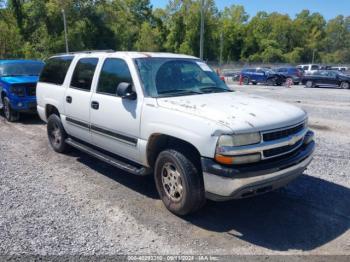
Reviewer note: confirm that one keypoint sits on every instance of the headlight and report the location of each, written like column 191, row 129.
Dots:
column 18, row 90
column 239, row 139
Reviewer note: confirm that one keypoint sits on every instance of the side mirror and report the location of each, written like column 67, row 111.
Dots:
column 124, row 90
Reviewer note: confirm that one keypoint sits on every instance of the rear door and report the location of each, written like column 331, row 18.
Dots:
column 78, row 97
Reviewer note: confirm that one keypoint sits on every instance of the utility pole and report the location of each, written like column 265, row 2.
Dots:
column 201, row 41
column 313, row 55
column 65, row 30
column 221, row 47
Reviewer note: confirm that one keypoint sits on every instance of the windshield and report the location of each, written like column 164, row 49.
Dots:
column 21, row 69
column 175, row 77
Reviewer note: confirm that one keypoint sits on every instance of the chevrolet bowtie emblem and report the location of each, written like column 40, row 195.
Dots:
column 293, row 140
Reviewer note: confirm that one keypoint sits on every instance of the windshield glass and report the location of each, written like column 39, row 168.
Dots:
column 21, row 69
column 173, row 77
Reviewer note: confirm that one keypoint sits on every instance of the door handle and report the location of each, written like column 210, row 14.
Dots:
column 95, row 105
column 69, row 99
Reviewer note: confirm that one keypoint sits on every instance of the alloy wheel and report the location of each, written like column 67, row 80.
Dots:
column 172, row 182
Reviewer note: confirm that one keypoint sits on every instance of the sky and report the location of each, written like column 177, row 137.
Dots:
column 328, row 8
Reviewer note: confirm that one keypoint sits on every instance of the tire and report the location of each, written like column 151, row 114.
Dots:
column 56, row 134
column 344, row 85
column 179, row 182
column 246, row 80
column 270, row 82
column 9, row 113
column 309, row 84
column 254, row 83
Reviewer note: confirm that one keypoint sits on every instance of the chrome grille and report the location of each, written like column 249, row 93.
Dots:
column 282, row 150
column 274, row 135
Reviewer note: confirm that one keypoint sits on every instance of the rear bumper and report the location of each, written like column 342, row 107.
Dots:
column 223, row 182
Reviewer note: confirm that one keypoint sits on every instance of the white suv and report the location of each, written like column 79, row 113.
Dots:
column 170, row 115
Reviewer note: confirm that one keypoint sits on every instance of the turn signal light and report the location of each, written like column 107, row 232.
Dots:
column 237, row 160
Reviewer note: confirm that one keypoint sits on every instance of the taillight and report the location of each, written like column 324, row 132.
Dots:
column 222, row 78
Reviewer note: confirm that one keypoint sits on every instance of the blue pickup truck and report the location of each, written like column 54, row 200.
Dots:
column 18, row 80
column 263, row 76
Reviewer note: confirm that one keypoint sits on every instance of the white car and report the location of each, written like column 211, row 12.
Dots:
column 309, row 69
column 170, row 115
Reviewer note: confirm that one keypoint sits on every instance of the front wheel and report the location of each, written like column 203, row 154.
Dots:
column 9, row 113
column 179, row 182
column 56, row 134
column 344, row 85
column 271, row 82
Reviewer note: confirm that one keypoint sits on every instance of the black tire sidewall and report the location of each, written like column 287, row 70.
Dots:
column 63, row 146
column 12, row 115
column 342, row 85
column 192, row 198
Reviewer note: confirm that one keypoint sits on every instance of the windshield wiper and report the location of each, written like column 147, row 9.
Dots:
column 180, row 91
column 209, row 89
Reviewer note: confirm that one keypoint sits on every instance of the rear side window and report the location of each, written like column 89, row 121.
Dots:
column 83, row 73
column 314, row 67
column 114, row 72
column 55, row 70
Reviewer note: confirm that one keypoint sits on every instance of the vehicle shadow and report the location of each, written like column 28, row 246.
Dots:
column 31, row 119
column 142, row 184
column 26, row 119
column 307, row 214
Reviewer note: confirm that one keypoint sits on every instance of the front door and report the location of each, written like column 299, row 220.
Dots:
column 78, row 99
column 115, row 122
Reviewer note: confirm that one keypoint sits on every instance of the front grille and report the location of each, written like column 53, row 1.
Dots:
column 274, row 135
column 29, row 87
column 31, row 91
column 282, row 150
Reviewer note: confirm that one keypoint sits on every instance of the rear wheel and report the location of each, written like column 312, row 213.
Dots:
column 9, row 113
column 344, row 85
column 309, row 84
column 179, row 182
column 56, row 134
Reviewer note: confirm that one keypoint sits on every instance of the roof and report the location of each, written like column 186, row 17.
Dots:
column 131, row 54
column 19, row 61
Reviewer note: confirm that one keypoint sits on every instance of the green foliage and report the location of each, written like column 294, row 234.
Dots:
column 34, row 29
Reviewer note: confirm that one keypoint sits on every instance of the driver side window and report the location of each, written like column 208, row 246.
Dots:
column 114, row 72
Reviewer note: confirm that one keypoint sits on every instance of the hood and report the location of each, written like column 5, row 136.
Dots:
column 239, row 111
column 20, row 79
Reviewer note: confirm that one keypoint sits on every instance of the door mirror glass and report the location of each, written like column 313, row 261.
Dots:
column 124, row 90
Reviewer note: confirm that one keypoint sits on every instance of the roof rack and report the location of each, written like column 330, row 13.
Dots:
column 87, row 52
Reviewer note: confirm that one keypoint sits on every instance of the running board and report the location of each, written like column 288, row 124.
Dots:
column 133, row 169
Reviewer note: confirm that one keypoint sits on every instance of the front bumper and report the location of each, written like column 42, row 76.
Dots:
column 227, row 182
column 24, row 104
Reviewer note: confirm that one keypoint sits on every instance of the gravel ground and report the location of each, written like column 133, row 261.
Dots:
column 53, row 204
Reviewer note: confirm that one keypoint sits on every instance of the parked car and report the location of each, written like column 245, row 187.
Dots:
column 262, row 75
column 327, row 78
column 292, row 73
column 170, row 115
column 340, row 68
column 18, row 80
column 229, row 76
column 309, row 69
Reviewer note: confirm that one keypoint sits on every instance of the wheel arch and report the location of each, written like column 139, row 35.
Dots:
column 51, row 109
column 159, row 142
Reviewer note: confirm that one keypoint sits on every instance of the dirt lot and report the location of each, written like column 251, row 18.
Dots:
column 52, row 204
